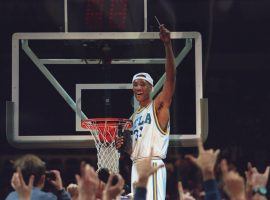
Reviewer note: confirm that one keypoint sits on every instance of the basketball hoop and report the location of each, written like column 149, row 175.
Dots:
column 104, row 131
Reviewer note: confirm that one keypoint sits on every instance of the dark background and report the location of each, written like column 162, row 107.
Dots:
column 236, row 63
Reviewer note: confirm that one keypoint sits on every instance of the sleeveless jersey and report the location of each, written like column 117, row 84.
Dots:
column 147, row 133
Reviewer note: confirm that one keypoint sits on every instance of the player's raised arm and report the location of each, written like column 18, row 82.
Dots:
column 164, row 98
column 167, row 92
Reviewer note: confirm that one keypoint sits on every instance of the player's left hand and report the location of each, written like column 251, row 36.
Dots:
column 164, row 34
column 119, row 142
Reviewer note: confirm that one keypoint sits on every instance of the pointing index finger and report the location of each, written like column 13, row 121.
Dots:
column 267, row 170
column 200, row 146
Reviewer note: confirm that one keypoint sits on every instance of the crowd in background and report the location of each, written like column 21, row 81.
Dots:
column 205, row 176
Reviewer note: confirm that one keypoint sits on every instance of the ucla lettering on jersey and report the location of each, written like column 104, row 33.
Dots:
column 147, row 134
column 139, row 124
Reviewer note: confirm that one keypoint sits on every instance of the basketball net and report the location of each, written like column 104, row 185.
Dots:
column 104, row 131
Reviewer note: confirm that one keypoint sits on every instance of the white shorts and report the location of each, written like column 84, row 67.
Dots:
column 156, row 186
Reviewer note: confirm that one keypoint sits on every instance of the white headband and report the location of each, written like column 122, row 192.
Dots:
column 144, row 76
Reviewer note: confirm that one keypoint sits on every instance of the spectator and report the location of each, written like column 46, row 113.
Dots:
column 18, row 184
column 88, row 185
column 256, row 183
column 183, row 195
column 206, row 161
column 112, row 191
column 29, row 166
column 87, row 182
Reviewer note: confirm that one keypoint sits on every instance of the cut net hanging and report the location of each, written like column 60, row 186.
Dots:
column 104, row 131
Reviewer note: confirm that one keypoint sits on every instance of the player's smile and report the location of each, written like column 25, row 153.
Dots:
column 141, row 90
column 139, row 96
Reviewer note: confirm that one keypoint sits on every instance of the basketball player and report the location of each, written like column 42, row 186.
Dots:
column 151, row 122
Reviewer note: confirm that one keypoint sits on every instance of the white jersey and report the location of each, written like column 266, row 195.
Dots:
column 147, row 134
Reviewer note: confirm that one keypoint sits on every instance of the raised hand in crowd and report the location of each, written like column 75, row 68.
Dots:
column 112, row 191
column 87, row 182
column 18, row 184
column 256, row 182
column 182, row 194
column 57, row 181
column 234, row 184
column 206, row 161
column 145, row 169
column 72, row 189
